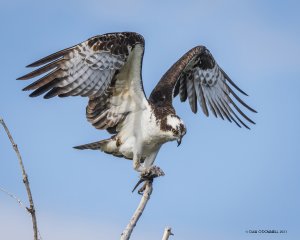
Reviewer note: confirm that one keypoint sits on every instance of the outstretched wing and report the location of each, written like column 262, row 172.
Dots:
column 197, row 76
column 105, row 68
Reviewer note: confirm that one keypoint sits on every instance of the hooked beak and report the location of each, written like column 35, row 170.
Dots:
column 179, row 141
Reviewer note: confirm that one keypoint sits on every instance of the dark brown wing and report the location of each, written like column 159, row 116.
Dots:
column 105, row 68
column 196, row 75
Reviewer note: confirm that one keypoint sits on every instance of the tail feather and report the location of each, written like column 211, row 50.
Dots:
column 109, row 146
column 94, row 145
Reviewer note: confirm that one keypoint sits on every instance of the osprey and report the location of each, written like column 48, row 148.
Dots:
column 107, row 69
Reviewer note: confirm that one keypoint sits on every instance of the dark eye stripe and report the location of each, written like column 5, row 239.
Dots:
column 175, row 131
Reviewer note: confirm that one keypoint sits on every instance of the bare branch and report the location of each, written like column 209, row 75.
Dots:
column 31, row 209
column 14, row 197
column 138, row 212
column 167, row 233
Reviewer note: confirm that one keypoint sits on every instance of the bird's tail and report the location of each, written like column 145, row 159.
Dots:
column 109, row 146
column 99, row 145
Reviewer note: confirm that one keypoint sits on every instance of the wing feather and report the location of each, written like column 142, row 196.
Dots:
column 223, row 110
column 44, row 80
column 212, row 108
column 50, row 58
column 191, row 95
column 197, row 76
column 42, row 70
column 104, row 68
column 200, row 94
column 182, row 90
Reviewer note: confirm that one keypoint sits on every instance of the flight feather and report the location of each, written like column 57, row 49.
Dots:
column 98, row 68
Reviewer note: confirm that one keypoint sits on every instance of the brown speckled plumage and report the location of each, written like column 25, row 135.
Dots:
column 101, row 56
column 161, row 112
column 107, row 69
column 196, row 76
column 115, row 43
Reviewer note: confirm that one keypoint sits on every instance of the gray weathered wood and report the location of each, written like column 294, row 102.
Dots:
column 167, row 233
column 138, row 212
column 31, row 208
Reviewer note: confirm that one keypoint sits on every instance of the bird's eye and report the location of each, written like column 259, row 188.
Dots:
column 175, row 131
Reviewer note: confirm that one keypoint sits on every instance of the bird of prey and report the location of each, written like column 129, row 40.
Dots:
column 108, row 70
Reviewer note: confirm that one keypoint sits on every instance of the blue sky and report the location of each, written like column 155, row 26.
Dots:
column 222, row 180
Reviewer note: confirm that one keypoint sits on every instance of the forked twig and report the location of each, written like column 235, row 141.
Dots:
column 31, row 208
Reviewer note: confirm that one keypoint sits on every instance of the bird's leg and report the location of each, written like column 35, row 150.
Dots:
column 147, row 170
column 138, row 167
column 137, row 162
column 148, row 175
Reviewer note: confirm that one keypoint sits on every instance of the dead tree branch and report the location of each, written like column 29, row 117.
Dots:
column 14, row 197
column 31, row 208
column 138, row 212
column 167, row 233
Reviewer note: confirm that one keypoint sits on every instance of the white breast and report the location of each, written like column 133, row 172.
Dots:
column 141, row 132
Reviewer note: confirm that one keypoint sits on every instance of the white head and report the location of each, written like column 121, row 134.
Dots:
column 175, row 128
